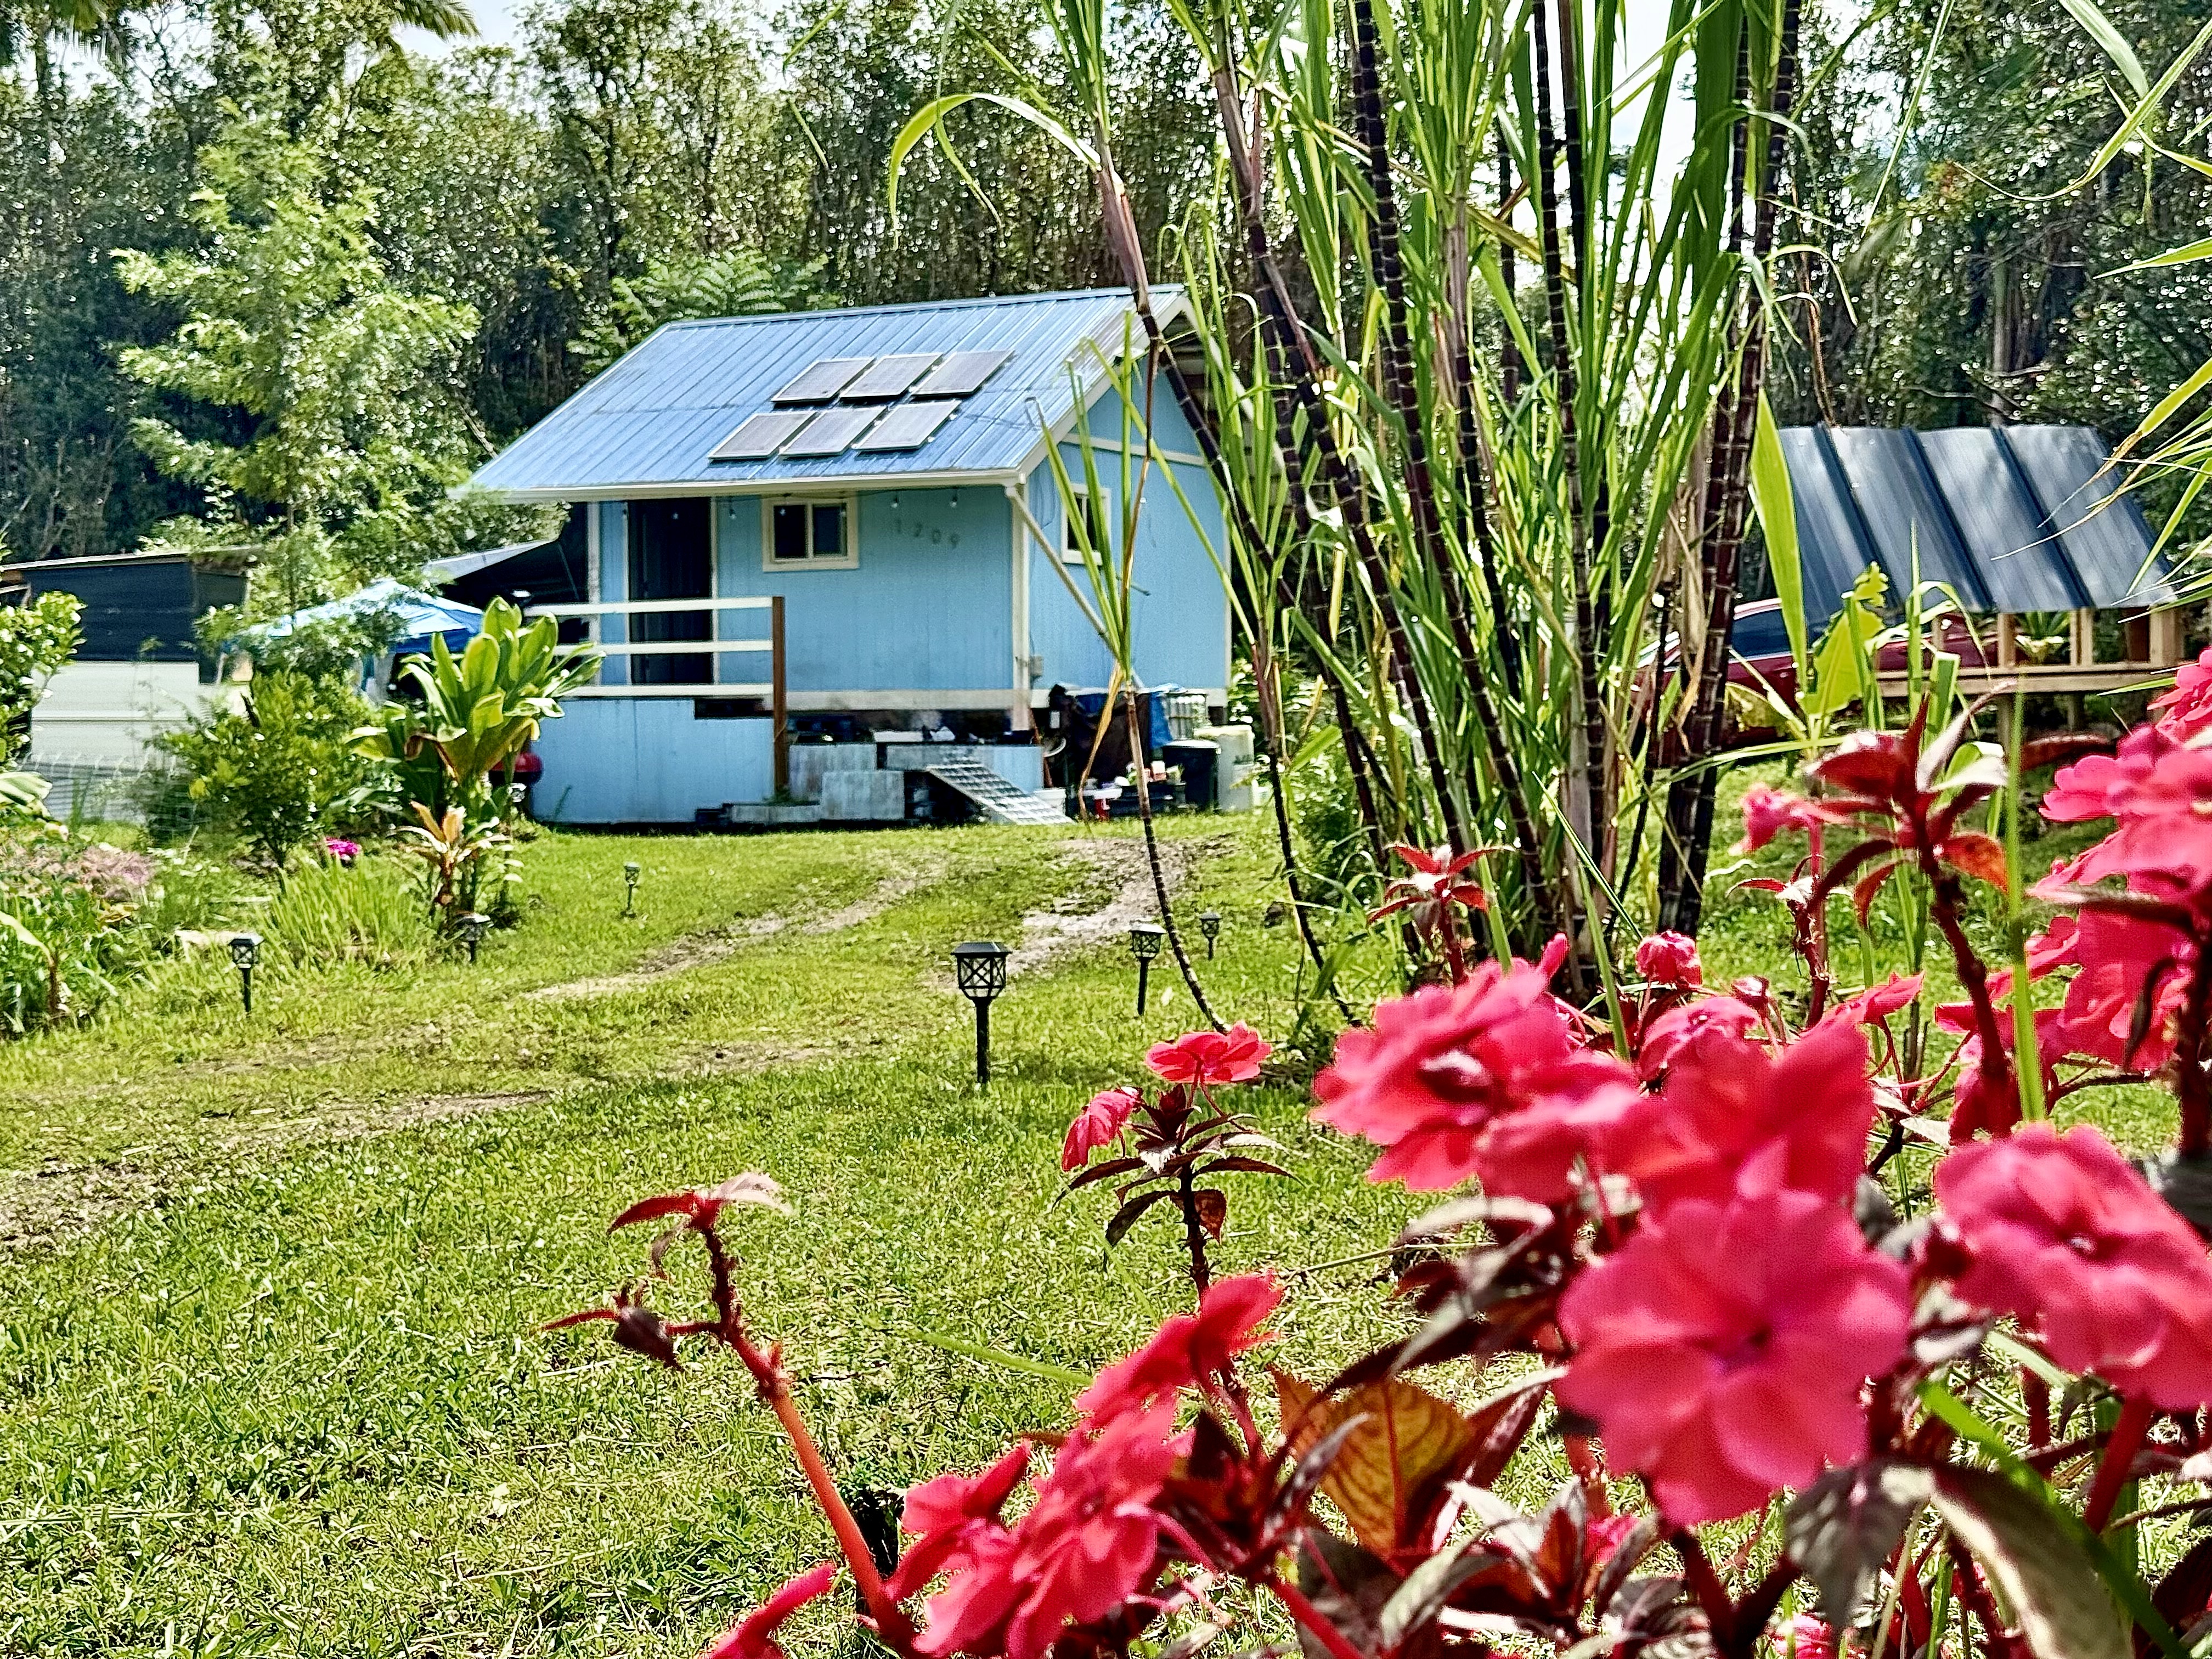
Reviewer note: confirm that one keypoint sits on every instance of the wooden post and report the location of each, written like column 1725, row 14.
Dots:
column 2166, row 637
column 2083, row 639
column 2008, row 641
column 776, row 710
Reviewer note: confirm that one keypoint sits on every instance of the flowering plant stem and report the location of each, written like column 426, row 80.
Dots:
column 1312, row 1620
column 2127, row 1438
column 2191, row 1084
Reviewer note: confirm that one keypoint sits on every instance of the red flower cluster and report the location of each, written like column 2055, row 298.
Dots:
column 2067, row 1235
column 1669, row 959
column 1091, row 1540
column 1489, row 1077
column 754, row 1636
column 1097, row 1125
column 1723, row 1347
column 1202, row 1060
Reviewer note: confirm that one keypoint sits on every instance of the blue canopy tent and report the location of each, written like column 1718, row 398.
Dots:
column 421, row 618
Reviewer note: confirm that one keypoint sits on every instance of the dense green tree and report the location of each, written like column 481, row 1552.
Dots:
column 1962, row 272
column 336, row 438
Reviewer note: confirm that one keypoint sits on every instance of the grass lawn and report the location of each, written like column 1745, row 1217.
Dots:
column 269, row 1380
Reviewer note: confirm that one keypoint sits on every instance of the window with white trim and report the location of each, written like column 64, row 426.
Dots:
column 1096, row 511
column 810, row 532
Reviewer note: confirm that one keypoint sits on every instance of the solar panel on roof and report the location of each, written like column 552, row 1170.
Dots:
column 761, row 435
column 830, row 433
column 963, row 373
column 889, row 376
column 907, row 427
column 822, row 379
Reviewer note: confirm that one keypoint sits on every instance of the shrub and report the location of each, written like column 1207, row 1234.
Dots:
column 68, row 934
column 273, row 769
column 1675, row 1245
column 36, row 640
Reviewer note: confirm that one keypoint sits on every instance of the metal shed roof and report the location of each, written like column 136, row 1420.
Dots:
column 2012, row 518
column 647, row 425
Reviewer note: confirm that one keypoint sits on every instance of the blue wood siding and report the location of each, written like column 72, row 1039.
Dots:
column 929, row 607
column 646, row 760
column 1181, row 628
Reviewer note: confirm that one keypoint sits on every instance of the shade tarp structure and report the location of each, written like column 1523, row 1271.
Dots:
column 2009, row 519
column 442, row 571
column 421, row 618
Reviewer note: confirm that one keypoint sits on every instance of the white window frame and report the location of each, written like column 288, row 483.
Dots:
column 850, row 560
column 1069, row 552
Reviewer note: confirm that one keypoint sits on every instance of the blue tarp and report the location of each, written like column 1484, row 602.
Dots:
column 421, row 618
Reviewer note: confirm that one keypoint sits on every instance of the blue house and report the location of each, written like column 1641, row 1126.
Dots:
column 850, row 518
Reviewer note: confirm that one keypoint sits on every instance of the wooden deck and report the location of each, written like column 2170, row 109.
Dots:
column 2152, row 639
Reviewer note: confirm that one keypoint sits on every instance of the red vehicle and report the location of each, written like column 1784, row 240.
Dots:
column 1759, row 659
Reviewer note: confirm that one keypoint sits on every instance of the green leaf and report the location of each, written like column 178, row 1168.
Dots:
column 1778, row 516
column 990, row 1356
column 2098, row 28
column 2049, row 1585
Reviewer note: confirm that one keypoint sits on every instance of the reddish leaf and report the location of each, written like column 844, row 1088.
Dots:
column 1499, row 1424
column 1869, row 888
column 640, row 1330
column 1133, row 1212
column 1980, row 856
column 2071, row 745
column 684, row 1204
column 1211, row 1205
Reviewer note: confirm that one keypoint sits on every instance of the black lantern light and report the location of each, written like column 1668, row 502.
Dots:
column 472, row 931
column 629, row 877
column 1144, row 941
column 1209, row 923
column 980, row 965
column 246, row 956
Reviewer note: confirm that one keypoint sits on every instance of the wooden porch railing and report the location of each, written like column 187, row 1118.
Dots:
column 772, row 688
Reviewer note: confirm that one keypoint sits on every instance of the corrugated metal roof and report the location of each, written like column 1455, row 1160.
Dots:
column 647, row 425
column 2011, row 519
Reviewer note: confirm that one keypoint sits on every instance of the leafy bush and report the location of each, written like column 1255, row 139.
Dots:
column 366, row 913
column 274, row 769
column 68, row 926
column 36, row 640
column 1730, row 1255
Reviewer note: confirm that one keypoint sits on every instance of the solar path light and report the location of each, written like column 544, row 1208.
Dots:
column 981, row 968
column 246, row 956
column 472, row 931
column 629, row 879
column 1145, row 941
column 1209, row 923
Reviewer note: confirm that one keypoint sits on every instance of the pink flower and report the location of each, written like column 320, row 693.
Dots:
column 2164, row 840
column 2121, row 957
column 1669, row 959
column 1679, row 1029
column 1443, row 1069
column 1723, row 1348
column 1089, row 1542
column 1438, row 882
column 1809, row 1638
column 2066, row 1235
column 1768, row 812
column 2087, row 788
column 1189, row 1350
column 1203, row 1059
column 754, row 1637
column 1878, row 1002
column 2187, row 709
column 1730, row 1118
column 1097, row 1125
column 345, row 852
column 947, row 1512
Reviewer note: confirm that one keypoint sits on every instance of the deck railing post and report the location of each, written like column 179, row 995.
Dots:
column 776, row 709
column 2083, row 640
column 2008, row 641
column 2165, row 637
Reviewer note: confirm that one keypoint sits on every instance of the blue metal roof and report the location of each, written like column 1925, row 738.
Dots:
column 2011, row 519
column 645, row 425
